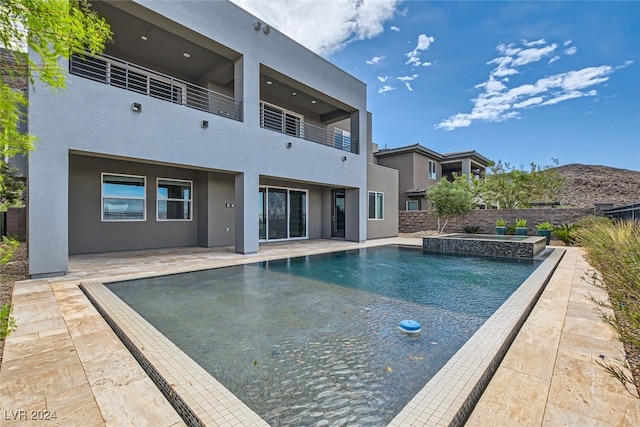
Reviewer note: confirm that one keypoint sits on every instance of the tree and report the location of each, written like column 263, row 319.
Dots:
column 450, row 198
column 49, row 30
column 508, row 187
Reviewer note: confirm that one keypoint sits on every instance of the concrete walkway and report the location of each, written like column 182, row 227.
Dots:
column 65, row 366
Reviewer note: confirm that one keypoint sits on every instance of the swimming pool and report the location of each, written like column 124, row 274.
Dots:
column 315, row 339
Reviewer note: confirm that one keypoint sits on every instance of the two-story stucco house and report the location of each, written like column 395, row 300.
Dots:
column 200, row 125
column 420, row 168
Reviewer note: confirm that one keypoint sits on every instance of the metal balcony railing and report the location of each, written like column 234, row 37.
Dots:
column 290, row 124
column 125, row 75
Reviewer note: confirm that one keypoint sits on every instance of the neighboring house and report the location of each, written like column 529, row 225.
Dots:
column 420, row 168
column 200, row 125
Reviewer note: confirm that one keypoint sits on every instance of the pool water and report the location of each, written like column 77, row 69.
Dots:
column 315, row 340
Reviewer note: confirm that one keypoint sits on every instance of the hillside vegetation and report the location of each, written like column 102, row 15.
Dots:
column 588, row 185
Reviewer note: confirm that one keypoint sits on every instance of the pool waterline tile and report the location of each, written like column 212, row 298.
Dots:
column 430, row 403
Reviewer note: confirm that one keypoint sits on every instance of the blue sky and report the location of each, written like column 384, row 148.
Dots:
column 516, row 81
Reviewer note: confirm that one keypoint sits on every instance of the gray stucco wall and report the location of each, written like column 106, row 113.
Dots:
column 87, row 231
column 90, row 117
column 384, row 180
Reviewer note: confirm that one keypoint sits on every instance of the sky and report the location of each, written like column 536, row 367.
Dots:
column 519, row 82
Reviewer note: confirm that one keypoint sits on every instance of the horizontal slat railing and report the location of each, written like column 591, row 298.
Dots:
column 280, row 121
column 125, row 75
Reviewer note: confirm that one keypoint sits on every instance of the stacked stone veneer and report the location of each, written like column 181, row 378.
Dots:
column 500, row 246
column 413, row 221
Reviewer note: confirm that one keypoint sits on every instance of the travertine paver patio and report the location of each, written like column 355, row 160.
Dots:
column 64, row 358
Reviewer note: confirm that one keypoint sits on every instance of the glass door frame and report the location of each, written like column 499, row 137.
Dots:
column 337, row 233
column 263, row 214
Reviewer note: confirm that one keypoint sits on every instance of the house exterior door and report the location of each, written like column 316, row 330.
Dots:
column 337, row 213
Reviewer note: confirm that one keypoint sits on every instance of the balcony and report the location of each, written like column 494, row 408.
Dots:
column 292, row 124
column 135, row 78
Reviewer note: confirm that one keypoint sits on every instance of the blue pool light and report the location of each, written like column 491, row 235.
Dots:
column 410, row 326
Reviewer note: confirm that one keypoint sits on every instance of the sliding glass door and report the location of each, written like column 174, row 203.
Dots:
column 283, row 213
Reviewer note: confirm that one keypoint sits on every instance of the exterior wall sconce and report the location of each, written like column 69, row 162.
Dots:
column 289, row 145
column 260, row 26
column 204, row 124
column 136, row 107
column 344, row 158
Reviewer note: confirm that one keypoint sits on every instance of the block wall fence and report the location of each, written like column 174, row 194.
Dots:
column 413, row 221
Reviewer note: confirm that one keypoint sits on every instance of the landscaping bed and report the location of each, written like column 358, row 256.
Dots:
column 15, row 270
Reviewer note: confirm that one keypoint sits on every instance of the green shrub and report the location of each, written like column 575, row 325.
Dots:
column 566, row 233
column 7, row 249
column 521, row 223
column 546, row 225
column 500, row 222
column 613, row 249
column 472, row 229
column 7, row 321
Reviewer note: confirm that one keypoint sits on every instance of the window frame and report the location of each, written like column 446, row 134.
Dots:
column 378, row 205
column 169, row 199
column 433, row 174
column 264, row 189
column 417, row 203
column 299, row 128
column 103, row 197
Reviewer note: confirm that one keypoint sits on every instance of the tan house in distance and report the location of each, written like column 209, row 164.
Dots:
column 420, row 168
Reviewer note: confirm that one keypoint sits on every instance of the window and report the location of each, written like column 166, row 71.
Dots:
column 412, row 205
column 280, row 120
column 174, row 200
column 123, row 197
column 342, row 139
column 432, row 170
column 376, row 204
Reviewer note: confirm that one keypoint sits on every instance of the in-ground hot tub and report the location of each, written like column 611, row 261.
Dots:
column 485, row 244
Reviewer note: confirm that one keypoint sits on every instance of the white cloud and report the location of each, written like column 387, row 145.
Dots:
column 386, row 88
column 394, row 28
column 343, row 21
column 554, row 59
column 375, row 60
column 569, row 95
column 567, row 42
column 407, row 78
column 498, row 102
column 571, row 50
column 532, row 55
column 383, row 78
column 529, row 102
column 423, row 44
column 534, row 43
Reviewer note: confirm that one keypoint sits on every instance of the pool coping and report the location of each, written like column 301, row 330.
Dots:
column 451, row 395
column 447, row 399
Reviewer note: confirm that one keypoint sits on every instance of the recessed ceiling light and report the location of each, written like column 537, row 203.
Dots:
column 143, row 37
column 186, row 55
column 313, row 101
column 269, row 82
column 293, row 93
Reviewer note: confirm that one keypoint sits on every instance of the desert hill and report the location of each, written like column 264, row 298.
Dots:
column 588, row 185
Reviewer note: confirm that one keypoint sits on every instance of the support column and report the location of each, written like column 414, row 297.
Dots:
column 466, row 168
column 48, row 212
column 247, row 185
